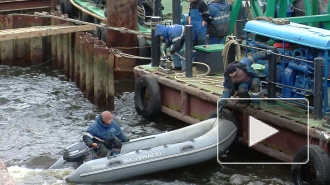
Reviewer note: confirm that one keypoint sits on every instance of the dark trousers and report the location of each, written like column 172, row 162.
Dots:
column 114, row 145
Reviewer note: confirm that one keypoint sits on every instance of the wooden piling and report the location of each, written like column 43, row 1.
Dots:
column 60, row 43
column 101, row 53
column 35, row 45
column 110, row 82
column 72, row 50
column 53, row 40
column 59, row 51
column 83, row 61
column 77, row 55
column 36, row 50
column 89, row 48
column 6, row 47
column 66, row 49
column 21, row 49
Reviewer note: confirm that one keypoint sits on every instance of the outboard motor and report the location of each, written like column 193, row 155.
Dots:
column 77, row 153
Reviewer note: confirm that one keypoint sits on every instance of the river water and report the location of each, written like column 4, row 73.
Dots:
column 42, row 112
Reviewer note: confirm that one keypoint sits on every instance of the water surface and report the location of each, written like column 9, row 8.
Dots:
column 42, row 112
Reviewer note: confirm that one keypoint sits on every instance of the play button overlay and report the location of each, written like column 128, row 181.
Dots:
column 259, row 131
column 266, row 134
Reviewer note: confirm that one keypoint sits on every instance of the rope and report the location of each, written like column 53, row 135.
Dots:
column 226, row 48
column 201, row 78
column 275, row 21
column 125, row 55
column 299, row 10
column 141, row 12
column 248, row 9
column 121, row 30
column 131, row 47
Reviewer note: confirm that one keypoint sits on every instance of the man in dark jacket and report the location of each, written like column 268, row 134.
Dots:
column 101, row 135
column 219, row 25
column 175, row 40
column 241, row 77
column 198, row 18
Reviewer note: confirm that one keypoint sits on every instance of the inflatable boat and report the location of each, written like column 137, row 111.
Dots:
column 189, row 145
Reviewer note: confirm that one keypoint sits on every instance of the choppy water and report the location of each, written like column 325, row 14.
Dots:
column 41, row 113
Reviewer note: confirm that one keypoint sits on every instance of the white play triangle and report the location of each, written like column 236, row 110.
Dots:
column 259, row 131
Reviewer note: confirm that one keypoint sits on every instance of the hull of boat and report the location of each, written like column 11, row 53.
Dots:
column 160, row 152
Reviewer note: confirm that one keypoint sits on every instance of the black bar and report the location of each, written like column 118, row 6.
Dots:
column 158, row 8
column 189, row 48
column 240, row 24
column 176, row 11
column 155, row 43
column 140, row 20
column 318, row 86
column 271, row 89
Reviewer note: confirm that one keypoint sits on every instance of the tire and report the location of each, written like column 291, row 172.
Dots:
column 67, row 8
column 86, row 18
column 142, row 50
column 63, row 6
column 104, row 36
column 318, row 159
column 147, row 104
column 98, row 32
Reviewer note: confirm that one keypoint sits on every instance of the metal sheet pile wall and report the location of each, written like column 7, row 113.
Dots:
column 14, row 5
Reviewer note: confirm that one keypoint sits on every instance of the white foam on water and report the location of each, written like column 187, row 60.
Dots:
column 22, row 175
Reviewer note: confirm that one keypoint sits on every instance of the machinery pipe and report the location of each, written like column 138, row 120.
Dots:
column 318, row 86
column 298, row 67
column 155, row 43
column 189, row 48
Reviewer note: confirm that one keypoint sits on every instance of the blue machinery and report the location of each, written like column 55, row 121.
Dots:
column 298, row 47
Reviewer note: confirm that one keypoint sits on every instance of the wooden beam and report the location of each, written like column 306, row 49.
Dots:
column 40, row 31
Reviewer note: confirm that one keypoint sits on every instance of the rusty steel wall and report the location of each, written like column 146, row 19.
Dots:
column 122, row 14
column 91, row 66
column 14, row 5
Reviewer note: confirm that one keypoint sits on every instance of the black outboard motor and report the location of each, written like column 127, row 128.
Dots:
column 77, row 153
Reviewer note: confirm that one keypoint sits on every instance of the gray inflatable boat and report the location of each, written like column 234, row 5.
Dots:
column 189, row 145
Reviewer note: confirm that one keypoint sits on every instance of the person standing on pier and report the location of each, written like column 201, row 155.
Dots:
column 219, row 24
column 198, row 18
column 101, row 135
column 174, row 37
column 240, row 77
